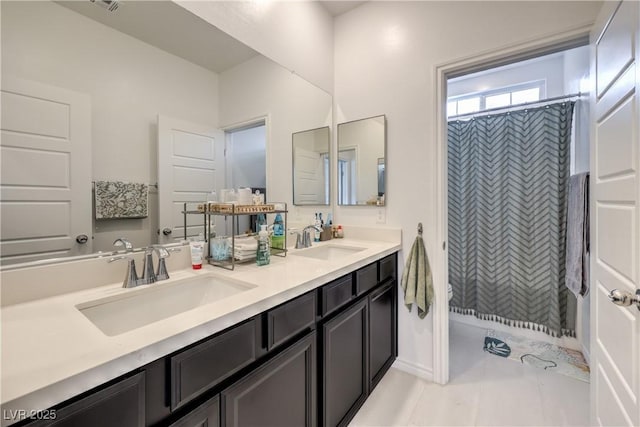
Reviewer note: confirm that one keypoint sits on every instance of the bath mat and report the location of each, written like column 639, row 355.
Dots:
column 544, row 355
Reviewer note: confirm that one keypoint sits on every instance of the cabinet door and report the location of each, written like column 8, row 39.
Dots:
column 281, row 393
column 120, row 404
column 382, row 331
column 205, row 415
column 197, row 369
column 345, row 380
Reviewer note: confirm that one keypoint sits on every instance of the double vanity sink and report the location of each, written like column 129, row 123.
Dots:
column 83, row 339
column 144, row 305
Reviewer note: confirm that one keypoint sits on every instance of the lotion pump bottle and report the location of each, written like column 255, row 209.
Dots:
column 263, row 253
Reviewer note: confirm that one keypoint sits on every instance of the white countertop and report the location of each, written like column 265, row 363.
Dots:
column 52, row 352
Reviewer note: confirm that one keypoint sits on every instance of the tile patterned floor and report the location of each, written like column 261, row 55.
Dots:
column 484, row 390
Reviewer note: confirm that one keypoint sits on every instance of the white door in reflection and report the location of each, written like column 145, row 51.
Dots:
column 347, row 173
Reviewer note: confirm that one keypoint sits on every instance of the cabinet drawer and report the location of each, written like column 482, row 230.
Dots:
column 199, row 368
column 120, row 404
column 336, row 294
column 366, row 278
column 205, row 415
column 290, row 318
column 387, row 268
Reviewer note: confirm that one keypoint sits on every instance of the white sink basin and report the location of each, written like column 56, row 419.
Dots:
column 150, row 303
column 328, row 252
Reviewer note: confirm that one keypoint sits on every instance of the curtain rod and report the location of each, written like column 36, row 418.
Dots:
column 510, row 107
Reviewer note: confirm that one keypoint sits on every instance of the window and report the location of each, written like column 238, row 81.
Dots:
column 495, row 98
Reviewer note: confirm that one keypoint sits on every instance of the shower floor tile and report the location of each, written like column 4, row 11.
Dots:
column 484, row 390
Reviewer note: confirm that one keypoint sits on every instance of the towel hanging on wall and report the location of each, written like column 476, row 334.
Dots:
column 417, row 281
column 121, row 200
column 577, row 240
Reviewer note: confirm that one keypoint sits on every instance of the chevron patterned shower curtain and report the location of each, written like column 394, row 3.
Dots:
column 508, row 176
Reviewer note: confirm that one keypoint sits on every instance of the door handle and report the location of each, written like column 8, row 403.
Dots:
column 166, row 231
column 624, row 298
column 82, row 238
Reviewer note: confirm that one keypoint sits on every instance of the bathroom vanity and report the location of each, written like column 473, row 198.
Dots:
column 304, row 345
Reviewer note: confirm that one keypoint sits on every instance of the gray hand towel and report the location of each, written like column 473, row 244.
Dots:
column 417, row 282
column 577, row 251
column 115, row 200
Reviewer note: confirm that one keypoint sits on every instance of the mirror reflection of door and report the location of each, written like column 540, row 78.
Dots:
column 347, row 176
column 361, row 177
column 311, row 167
column 246, row 167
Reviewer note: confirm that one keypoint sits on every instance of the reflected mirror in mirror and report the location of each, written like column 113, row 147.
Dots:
column 117, row 71
column 361, row 162
column 311, row 167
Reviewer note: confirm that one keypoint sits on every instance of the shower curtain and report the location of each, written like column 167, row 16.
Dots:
column 508, row 179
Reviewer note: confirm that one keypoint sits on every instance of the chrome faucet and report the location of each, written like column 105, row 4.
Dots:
column 163, row 253
column 131, row 278
column 149, row 276
column 306, row 237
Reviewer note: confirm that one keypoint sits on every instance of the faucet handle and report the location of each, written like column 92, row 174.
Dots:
column 162, row 273
column 131, row 277
column 148, row 275
column 128, row 247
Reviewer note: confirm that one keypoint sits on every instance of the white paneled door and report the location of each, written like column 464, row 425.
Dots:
column 309, row 177
column 45, row 183
column 190, row 166
column 615, row 223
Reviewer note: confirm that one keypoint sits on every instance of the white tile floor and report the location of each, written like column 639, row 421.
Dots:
column 484, row 390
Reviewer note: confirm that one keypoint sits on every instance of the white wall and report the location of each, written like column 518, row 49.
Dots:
column 261, row 88
column 398, row 46
column 296, row 34
column 129, row 83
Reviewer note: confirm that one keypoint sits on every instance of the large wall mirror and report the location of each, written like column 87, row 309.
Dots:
column 101, row 78
column 361, row 162
column 311, row 166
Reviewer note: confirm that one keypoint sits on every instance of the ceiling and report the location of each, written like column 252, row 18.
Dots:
column 171, row 28
column 336, row 8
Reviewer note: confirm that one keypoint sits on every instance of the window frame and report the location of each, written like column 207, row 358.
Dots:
column 483, row 95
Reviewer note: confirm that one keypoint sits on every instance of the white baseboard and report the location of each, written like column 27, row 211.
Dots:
column 413, row 369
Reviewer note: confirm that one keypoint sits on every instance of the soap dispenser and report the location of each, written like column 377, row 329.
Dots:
column 263, row 253
column 277, row 240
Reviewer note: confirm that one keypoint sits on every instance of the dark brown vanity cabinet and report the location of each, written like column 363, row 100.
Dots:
column 312, row 360
column 205, row 415
column 344, row 367
column 118, row 404
column 360, row 343
column 383, row 341
column 280, row 393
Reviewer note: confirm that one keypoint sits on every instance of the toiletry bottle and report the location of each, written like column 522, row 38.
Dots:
column 260, row 221
column 340, row 232
column 277, row 240
column 212, row 235
column 263, row 253
column 318, row 225
column 212, row 199
column 197, row 251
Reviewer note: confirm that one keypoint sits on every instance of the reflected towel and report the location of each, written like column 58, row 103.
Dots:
column 116, row 200
column 417, row 281
column 577, row 250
